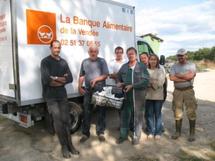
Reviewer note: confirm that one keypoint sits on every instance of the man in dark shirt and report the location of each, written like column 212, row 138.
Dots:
column 55, row 73
column 94, row 72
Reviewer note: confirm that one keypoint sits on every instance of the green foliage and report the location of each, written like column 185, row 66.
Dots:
column 173, row 58
column 201, row 54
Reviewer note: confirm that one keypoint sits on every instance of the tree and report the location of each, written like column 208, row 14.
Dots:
column 201, row 54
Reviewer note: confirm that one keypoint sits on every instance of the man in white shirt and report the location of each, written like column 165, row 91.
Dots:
column 115, row 65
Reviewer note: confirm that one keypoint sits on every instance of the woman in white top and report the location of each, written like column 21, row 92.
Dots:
column 154, row 98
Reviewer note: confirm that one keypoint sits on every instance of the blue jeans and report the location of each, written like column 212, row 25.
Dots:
column 101, row 114
column 153, row 116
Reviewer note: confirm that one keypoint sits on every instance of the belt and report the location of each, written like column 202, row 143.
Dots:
column 183, row 89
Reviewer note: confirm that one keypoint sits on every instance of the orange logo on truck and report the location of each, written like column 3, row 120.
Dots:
column 41, row 27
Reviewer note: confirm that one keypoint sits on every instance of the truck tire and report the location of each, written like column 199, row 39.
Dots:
column 75, row 114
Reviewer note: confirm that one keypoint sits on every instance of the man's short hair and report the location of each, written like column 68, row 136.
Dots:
column 118, row 48
column 53, row 41
column 145, row 53
column 131, row 48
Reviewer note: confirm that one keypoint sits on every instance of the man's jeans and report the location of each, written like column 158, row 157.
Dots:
column 101, row 114
column 153, row 116
column 59, row 110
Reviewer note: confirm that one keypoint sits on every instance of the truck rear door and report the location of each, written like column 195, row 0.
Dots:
column 6, row 51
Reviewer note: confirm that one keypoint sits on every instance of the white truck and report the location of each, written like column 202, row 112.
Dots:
column 28, row 27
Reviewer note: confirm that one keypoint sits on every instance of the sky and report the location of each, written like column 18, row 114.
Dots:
column 188, row 24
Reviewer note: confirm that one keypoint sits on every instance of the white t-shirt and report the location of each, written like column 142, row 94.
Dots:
column 114, row 67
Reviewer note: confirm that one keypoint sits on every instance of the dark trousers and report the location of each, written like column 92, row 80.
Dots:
column 59, row 110
column 131, row 124
column 153, row 116
column 87, row 113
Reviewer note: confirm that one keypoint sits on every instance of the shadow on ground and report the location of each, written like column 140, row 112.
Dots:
column 35, row 144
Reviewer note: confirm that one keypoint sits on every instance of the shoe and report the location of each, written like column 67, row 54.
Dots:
column 101, row 137
column 65, row 152
column 120, row 140
column 135, row 141
column 150, row 136
column 131, row 134
column 84, row 138
column 162, row 129
column 157, row 137
column 73, row 150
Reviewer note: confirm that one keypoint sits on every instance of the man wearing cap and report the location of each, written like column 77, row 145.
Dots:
column 183, row 73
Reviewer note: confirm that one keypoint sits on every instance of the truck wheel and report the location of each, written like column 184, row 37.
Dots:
column 75, row 114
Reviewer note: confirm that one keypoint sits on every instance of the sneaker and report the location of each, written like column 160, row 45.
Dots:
column 101, row 137
column 84, row 138
column 135, row 141
column 150, row 136
column 157, row 137
column 65, row 152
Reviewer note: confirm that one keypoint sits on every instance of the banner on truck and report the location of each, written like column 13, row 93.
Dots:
column 76, row 24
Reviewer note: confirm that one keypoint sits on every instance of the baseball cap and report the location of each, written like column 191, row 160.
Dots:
column 181, row 52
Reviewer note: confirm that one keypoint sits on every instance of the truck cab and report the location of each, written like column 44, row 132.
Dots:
column 143, row 46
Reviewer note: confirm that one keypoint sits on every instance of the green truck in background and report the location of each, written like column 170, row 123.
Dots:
column 152, row 40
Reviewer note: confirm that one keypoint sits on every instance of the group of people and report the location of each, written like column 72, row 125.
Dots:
column 141, row 81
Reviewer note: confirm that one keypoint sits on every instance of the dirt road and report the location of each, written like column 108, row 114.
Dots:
column 35, row 144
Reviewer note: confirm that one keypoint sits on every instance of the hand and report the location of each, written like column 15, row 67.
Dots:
column 178, row 75
column 187, row 76
column 190, row 75
column 93, row 83
column 151, row 81
column 81, row 90
column 128, row 88
column 120, row 85
column 65, row 75
column 113, row 75
column 61, row 79
column 54, row 83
